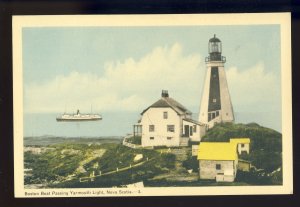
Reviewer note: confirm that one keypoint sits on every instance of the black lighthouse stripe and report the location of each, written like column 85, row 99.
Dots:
column 214, row 102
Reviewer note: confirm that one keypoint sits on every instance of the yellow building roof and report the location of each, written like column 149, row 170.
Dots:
column 240, row 140
column 217, row 151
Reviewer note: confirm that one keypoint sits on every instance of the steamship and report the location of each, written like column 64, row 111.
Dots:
column 79, row 117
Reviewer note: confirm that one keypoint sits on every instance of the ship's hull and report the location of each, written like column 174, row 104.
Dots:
column 78, row 119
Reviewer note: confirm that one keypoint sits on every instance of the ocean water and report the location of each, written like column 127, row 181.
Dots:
column 112, row 124
column 119, row 124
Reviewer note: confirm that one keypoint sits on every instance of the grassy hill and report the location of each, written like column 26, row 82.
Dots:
column 61, row 165
column 265, row 146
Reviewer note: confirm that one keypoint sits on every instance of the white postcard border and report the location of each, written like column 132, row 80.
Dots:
column 283, row 19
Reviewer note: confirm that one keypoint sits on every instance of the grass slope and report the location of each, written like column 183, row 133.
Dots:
column 76, row 160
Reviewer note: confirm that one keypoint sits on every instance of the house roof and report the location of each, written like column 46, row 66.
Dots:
column 217, row 151
column 166, row 102
column 193, row 121
column 240, row 140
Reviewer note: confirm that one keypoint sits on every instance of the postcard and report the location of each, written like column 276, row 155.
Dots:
column 152, row 105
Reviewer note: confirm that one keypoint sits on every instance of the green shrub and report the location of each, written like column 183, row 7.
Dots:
column 191, row 163
column 253, row 178
column 277, row 178
column 167, row 160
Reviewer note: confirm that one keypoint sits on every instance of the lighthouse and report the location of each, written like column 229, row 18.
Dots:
column 216, row 106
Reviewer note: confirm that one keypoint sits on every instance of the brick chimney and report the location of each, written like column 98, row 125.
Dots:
column 164, row 94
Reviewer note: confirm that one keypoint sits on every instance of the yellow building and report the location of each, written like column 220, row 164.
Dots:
column 219, row 160
column 243, row 144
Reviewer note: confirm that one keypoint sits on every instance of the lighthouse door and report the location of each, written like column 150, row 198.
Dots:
column 186, row 130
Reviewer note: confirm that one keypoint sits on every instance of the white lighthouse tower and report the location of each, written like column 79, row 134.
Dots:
column 216, row 104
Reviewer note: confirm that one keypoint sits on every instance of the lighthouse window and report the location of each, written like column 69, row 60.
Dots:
column 213, row 115
column 152, row 138
column 214, row 47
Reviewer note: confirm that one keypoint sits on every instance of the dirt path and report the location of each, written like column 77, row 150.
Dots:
column 84, row 179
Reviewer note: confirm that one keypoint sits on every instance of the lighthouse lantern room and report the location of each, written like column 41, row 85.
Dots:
column 215, row 50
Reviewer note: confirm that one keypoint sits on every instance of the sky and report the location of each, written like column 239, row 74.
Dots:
column 124, row 69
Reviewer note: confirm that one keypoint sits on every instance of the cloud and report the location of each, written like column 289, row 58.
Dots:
column 133, row 84
column 129, row 84
column 253, row 89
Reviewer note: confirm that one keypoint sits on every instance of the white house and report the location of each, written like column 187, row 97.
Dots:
column 219, row 160
column 168, row 123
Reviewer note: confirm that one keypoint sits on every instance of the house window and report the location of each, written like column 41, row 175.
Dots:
column 191, row 131
column 195, row 128
column 217, row 113
column 151, row 128
column 151, row 138
column 169, row 138
column 242, row 145
column 170, row 128
column 165, row 115
column 218, row 166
